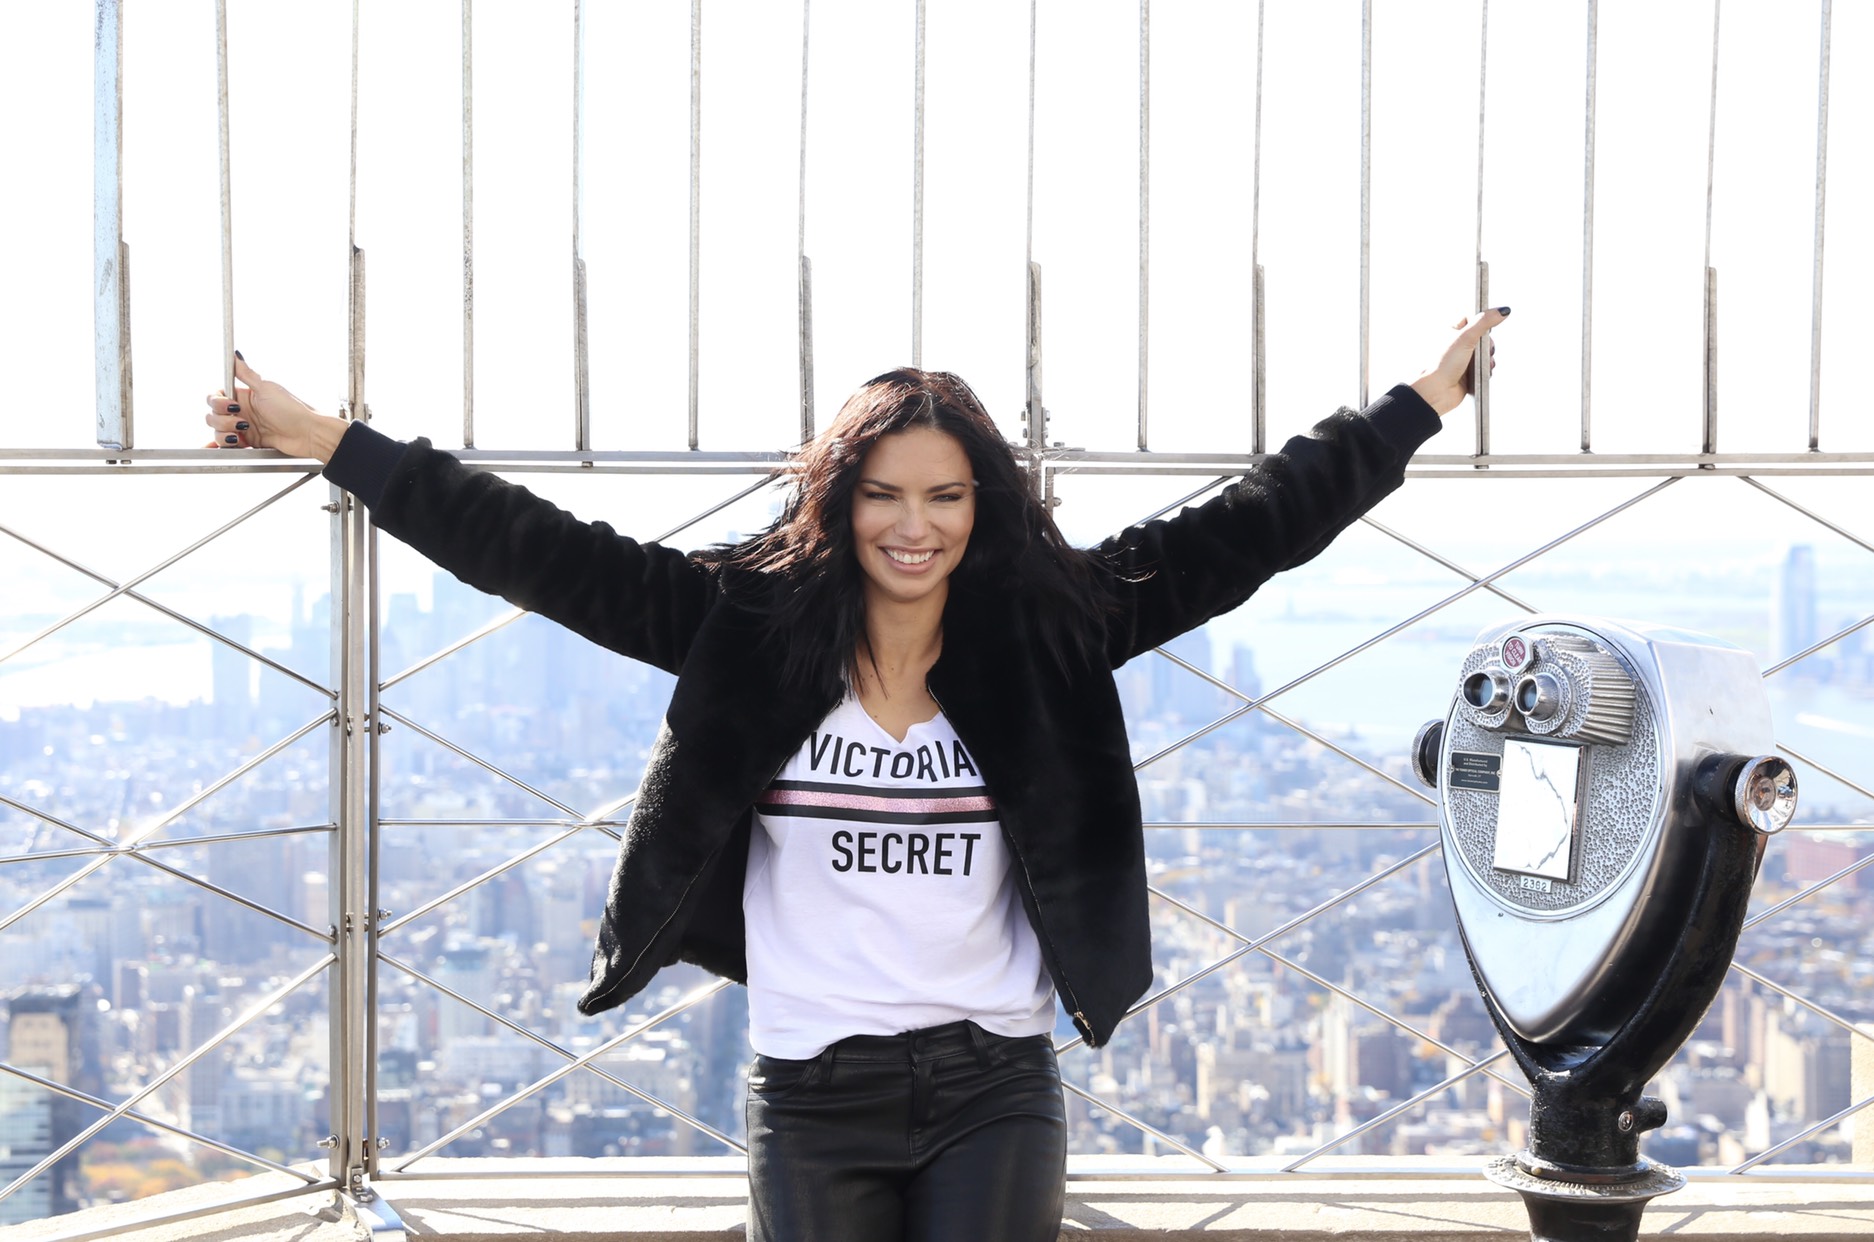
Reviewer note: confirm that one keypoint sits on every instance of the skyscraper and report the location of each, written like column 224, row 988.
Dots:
column 1792, row 616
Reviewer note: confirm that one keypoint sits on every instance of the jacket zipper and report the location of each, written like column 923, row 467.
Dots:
column 685, row 895
column 1047, row 945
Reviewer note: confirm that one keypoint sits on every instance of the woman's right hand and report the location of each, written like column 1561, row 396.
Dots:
column 264, row 414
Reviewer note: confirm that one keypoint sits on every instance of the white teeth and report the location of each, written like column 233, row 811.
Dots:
column 910, row 558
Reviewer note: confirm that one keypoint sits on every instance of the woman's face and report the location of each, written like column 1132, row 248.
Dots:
column 912, row 513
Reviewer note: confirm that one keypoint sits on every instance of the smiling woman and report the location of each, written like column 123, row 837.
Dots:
column 892, row 793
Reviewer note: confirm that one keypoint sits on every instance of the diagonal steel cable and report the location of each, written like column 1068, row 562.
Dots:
column 510, row 618
column 1830, row 641
column 499, row 869
column 1401, row 1107
column 1297, row 726
column 1806, row 893
column 125, row 848
column 1794, row 1139
column 570, row 1055
column 206, row 630
column 1820, row 1010
column 581, row 1062
column 125, row 586
column 258, row 1008
column 1444, row 562
column 156, row 1123
column 1146, row 1126
column 1817, row 518
column 1825, row 770
column 1274, row 933
column 56, row 822
column 1321, row 982
column 477, row 760
column 144, row 849
column 1387, row 633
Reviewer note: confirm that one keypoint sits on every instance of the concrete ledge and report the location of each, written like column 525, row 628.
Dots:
column 494, row 1201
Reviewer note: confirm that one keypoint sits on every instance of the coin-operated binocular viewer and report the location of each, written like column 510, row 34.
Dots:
column 1605, row 793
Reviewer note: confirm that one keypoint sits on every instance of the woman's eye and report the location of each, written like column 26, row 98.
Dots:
column 879, row 496
column 951, row 497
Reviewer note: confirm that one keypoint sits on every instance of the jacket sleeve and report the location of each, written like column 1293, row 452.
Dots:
column 1172, row 575
column 640, row 599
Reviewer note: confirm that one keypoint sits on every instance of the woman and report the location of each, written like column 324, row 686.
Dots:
column 892, row 793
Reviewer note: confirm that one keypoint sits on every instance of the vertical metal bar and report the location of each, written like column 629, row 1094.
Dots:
column 1036, row 414
column 582, row 386
column 227, row 197
column 1821, row 214
column 1258, row 353
column 359, row 973
column 696, row 196
column 1480, row 361
column 468, row 223
column 351, row 192
column 1710, row 437
column 354, row 309
column 1587, row 232
column 1366, row 188
column 806, row 349
column 111, row 257
column 1145, row 209
column 352, row 617
column 806, row 268
column 374, row 912
column 917, row 198
column 1480, row 366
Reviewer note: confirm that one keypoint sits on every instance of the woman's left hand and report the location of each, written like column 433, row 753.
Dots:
column 1446, row 383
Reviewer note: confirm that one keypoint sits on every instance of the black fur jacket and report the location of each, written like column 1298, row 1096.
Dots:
column 1051, row 748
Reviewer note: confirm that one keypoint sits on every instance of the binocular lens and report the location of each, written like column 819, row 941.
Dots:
column 1487, row 690
column 1539, row 696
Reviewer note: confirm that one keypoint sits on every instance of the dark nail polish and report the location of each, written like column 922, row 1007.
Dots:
column 233, row 408
column 240, row 426
column 1503, row 311
column 232, row 439
column 237, row 354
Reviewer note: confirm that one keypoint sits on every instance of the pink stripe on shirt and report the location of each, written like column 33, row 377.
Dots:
column 864, row 802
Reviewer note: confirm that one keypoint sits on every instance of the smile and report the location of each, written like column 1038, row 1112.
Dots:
column 910, row 558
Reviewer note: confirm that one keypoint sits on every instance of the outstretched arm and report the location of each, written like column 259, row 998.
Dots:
column 640, row 599
column 1173, row 575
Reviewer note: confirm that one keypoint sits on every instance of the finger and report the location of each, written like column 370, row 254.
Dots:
column 243, row 372
column 1474, row 327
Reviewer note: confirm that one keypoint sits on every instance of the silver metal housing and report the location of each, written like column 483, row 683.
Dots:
column 1551, row 940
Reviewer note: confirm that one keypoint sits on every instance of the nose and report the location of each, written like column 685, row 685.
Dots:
column 913, row 520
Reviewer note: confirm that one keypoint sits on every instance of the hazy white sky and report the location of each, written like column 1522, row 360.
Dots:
column 290, row 89
column 290, row 111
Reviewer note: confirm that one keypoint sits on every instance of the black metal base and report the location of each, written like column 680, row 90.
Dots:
column 1564, row 1209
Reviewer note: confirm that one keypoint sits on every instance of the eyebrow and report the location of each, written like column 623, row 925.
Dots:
column 883, row 486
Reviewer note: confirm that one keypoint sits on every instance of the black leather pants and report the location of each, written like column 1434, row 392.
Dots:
column 949, row 1134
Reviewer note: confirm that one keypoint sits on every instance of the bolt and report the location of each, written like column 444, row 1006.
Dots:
column 1625, row 1121
column 329, row 1142
column 330, row 506
column 383, row 1143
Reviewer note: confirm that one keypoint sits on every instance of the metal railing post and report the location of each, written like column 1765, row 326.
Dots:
column 111, row 264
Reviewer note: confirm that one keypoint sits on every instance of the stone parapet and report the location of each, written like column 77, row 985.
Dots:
column 692, row 1201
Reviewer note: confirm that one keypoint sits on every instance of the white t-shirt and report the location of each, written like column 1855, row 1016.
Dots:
column 879, row 897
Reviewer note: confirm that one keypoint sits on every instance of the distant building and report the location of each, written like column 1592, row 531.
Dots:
column 1792, row 617
column 51, row 1032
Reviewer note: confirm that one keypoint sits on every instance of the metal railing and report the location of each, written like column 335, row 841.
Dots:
column 360, row 953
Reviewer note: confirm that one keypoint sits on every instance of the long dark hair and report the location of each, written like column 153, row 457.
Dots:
column 803, row 571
